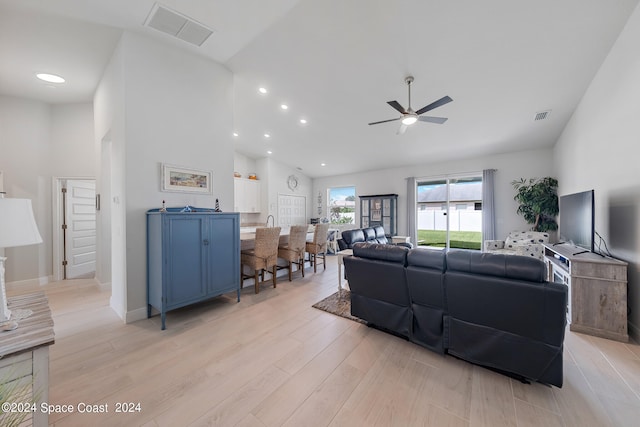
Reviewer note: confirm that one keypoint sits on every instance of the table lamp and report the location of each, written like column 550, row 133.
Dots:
column 17, row 228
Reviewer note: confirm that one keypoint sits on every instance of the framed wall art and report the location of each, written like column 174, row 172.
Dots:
column 178, row 178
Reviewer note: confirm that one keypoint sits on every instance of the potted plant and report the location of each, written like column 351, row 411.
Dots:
column 538, row 202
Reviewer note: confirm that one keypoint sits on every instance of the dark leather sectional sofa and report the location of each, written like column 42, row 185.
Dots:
column 365, row 235
column 489, row 309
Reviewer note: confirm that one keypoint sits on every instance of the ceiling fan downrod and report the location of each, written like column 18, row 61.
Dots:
column 409, row 80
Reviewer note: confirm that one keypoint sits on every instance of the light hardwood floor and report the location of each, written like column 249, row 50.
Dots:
column 273, row 360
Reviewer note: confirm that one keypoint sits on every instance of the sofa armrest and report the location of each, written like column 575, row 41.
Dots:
column 408, row 245
column 490, row 245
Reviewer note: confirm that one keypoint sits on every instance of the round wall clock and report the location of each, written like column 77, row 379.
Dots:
column 292, row 182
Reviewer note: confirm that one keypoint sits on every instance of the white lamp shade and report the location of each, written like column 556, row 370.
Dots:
column 17, row 224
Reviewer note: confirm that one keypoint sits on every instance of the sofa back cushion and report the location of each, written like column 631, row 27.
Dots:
column 425, row 269
column 381, row 237
column 349, row 237
column 369, row 234
column 381, row 252
column 499, row 265
column 427, row 258
column 505, row 293
column 376, row 271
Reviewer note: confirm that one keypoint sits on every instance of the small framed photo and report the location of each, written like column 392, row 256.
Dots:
column 177, row 178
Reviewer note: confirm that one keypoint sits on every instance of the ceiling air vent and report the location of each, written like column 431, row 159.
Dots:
column 541, row 115
column 178, row 25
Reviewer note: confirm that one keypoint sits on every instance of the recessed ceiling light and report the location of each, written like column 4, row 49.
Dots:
column 269, row 152
column 303, row 121
column 266, row 135
column 262, row 90
column 51, row 78
column 235, row 134
column 323, row 164
column 284, row 106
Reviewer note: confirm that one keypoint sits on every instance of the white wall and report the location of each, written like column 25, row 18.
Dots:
column 177, row 110
column 72, row 140
column 244, row 166
column 510, row 166
column 599, row 150
column 274, row 182
column 109, row 119
column 39, row 141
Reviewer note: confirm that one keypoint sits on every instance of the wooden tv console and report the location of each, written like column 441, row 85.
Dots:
column 597, row 290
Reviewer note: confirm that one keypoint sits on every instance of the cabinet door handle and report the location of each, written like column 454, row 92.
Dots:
column 206, row 242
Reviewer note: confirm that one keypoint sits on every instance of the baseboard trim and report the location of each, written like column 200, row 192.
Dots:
column 634, row 332
column 135, row 315
column 38, row 281
column 116, row 308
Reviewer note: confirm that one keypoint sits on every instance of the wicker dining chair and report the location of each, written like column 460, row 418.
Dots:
column 293, row 252
column 263, row 257
column 318, row 246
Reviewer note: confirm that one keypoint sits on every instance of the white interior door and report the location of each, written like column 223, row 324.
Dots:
column 292, row 210
column 80, row 241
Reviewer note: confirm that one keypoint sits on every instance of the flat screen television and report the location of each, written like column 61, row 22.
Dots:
column 577, row 219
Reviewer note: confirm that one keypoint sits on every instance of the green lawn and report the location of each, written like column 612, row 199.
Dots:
column 458, row 239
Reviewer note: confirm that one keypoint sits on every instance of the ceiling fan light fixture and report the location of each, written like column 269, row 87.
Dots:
column 408, row 120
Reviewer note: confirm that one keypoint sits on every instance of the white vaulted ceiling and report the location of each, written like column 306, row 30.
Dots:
column 337, row 62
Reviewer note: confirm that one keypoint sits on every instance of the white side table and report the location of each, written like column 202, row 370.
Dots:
column 341, row 255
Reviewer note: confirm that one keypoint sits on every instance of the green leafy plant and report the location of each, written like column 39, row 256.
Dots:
column 538, row 202
column 337, row 217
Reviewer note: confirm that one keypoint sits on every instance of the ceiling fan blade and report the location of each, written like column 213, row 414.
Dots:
column 385, row 121
column 402, row 129
column 438, row 120
column 440, row 102
column 397, row 106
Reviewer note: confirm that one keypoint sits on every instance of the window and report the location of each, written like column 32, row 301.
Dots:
column 449, row 212
column 342, row 205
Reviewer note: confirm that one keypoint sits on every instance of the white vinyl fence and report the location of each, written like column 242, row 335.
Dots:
column 462, row 220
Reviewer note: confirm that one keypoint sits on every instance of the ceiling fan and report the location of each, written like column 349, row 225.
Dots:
column 409, row 116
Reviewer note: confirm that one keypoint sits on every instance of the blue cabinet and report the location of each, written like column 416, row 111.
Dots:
column 191, row 256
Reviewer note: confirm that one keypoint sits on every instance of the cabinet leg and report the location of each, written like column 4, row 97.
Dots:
column 163, row 317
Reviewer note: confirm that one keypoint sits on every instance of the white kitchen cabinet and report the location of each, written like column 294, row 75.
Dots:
column 246, row 194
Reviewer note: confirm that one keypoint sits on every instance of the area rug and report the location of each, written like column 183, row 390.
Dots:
column 337, row 304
